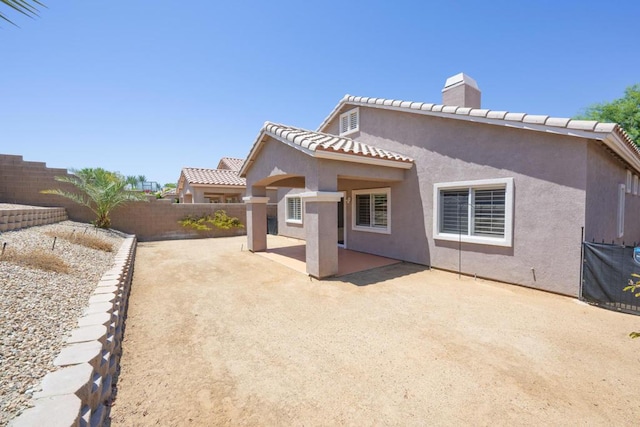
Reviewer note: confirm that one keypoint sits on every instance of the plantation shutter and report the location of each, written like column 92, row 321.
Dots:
column 344, row 124
column 379, row 210
column 294, row 208
column 353, row 120
column 489, row 212
column 455, row 211
column 363, row 210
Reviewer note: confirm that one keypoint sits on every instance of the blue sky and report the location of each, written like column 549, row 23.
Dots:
column 148, row 87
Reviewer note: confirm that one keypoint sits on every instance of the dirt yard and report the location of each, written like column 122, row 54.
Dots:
column 220, row 336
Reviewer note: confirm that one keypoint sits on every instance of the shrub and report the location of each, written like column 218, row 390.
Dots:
column 39, row 258
column 85, row 240
column 220, row 219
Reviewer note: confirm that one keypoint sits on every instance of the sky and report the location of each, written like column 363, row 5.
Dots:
column 148, row 87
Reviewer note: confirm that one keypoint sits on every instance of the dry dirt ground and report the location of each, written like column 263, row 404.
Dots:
column 220, row 336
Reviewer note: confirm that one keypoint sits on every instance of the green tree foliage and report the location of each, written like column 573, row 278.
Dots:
column 98, row 189
column 635, row 288
column 25, row 7
column 625, row 111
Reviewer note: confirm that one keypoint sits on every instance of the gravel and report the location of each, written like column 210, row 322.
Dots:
column 38, row 309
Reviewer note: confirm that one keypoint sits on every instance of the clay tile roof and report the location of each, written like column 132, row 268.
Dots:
column 317, row 141
column 588, row 128
column 230, row 163
column 213, row 176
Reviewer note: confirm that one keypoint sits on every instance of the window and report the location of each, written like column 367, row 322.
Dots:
column 350, row 121
column 621, row 196
column 294, row 209
column 635, row 185
column 474, row 211
column 629, row 179
column 371, row 210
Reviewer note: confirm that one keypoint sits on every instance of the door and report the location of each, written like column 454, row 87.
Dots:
column 341, row 214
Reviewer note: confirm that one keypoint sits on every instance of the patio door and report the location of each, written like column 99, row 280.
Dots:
column 341, row 222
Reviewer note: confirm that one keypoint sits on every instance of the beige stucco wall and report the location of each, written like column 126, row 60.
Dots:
column 549, row 173
column 605, row 174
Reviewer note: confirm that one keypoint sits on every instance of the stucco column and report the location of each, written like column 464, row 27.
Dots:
column 321, row 232
column 256, row 223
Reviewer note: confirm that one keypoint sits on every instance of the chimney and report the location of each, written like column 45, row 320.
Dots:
column 462, row 91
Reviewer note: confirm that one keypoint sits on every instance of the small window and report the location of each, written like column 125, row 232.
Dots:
column 474, row 211
column 350, row 121
column 371, row 210
column 621, row 196
column 294, row 209
column 636, row 184
column 629, row 181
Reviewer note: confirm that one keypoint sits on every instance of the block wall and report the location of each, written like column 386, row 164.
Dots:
column 21, row 182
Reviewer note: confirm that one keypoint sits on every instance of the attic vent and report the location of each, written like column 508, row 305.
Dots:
column 350, row 121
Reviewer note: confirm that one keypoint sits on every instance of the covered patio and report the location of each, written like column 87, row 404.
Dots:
column 331, row 178
column 292, row 253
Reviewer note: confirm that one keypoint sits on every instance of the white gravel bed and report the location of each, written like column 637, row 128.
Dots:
column 38, row 309
column 10, row 206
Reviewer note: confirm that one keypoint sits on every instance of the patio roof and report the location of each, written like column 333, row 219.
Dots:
column 204, row 176
column 326, row 146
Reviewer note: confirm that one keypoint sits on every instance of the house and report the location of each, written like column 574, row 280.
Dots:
column 221, row 185
column 505, row 196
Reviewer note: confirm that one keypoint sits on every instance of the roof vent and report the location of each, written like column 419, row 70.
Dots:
column 462, row 91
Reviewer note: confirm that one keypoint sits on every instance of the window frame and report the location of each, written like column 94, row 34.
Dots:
column 354, row 210
column 288, row 216
column 483, row 184
column 348, row 114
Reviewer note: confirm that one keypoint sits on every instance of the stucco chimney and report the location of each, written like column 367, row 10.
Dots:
column 462, row 91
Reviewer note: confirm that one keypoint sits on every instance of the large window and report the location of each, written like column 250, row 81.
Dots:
column 350, row 121
column 474, row 211
column 294, row 209
column 371, row 210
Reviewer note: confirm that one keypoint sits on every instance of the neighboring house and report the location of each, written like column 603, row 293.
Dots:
column 221, row 185
column 505, row 196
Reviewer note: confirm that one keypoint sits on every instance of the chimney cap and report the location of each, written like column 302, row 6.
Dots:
column 458, row 79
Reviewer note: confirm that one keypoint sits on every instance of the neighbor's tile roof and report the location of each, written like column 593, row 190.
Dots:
column 531, row 121
column 230, row 163
column 213, row 176
column 317, row 141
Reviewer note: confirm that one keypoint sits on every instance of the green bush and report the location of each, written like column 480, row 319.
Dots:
column 220, row 220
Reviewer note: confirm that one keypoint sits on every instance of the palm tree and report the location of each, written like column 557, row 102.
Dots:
column 100, row 190
column 26, row 7
column 132, row 181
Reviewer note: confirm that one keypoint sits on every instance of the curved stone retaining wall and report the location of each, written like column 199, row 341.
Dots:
column 13, row 219
column 78, row 394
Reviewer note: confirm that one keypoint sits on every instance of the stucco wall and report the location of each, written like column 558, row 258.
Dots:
column 549, row 173
column 605, row 174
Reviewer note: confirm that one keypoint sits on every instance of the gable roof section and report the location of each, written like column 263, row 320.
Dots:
column 611, row 134
column 202, row 176
column 230, row 163
column 326, row 146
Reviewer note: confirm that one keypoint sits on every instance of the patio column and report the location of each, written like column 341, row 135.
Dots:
column 256, row 223
column 321, row 231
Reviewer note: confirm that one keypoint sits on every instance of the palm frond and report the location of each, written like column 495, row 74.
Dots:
column 27, row 8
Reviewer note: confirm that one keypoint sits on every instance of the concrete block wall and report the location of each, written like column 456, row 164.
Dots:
column 21, row 182
column 79, row 393
column 14, row 219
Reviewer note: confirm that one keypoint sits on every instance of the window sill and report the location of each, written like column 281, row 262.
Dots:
column 350, row 132
column 373, row 230
column 492, row 241
column 294, row 221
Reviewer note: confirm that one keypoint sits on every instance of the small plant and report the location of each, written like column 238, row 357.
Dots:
column 36, row 258
column 634, row 287
column 85, row 240
column 220, row 219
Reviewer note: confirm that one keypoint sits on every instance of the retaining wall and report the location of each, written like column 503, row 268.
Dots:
column 14, row 219
column 78, row 394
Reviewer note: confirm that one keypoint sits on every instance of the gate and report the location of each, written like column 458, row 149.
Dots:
column 606, row 270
